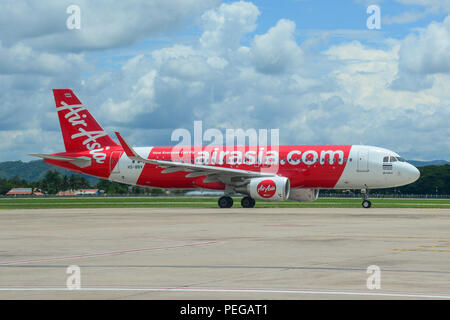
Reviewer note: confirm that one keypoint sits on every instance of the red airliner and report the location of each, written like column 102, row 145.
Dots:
column 264, row 173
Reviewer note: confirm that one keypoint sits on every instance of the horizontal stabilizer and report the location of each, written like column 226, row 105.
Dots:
column 81, row 162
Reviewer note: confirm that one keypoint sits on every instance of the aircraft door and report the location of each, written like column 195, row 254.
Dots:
column 363, row 160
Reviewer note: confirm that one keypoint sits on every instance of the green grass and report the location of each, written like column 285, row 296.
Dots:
column 209, row 202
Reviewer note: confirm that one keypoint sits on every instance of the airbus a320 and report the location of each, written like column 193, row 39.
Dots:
column 294, row 172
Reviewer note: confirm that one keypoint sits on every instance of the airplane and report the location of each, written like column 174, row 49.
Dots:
column 294, row 172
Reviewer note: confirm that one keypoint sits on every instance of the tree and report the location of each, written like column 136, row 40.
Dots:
column 65, row 183
column 52, row 182
column 112, row 187
column 431, row 177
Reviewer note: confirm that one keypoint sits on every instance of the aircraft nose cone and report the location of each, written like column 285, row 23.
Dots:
column 413, row 173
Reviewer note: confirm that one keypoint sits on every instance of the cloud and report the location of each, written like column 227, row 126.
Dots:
column 433, row 5
column 428, row 51
column 276, row 51
column 403, row 18
column 22, row 59
column 224, row 27
column 39, row 53
column 423, row 54
column 104, row 24
column 229, row 77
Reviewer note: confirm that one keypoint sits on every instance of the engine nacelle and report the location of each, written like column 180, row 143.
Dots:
column 270, row 189
column 304, row 195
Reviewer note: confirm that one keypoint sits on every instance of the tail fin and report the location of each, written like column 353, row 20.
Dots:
column 79, row 129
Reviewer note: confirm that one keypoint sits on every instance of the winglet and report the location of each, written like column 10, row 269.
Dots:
column 126, row 147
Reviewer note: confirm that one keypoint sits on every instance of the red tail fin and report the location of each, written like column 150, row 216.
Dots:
column 79, row 129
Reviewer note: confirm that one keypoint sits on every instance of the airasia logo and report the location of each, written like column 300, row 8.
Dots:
column 266, row 188
column 90, row 137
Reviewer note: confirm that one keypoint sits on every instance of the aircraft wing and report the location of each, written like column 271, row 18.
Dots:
column 212, row 173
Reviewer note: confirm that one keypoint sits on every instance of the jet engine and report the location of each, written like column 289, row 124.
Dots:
column 269, row 189
column 304, row 195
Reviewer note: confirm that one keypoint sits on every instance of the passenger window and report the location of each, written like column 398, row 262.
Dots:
column 393, row 159
column 386, row 159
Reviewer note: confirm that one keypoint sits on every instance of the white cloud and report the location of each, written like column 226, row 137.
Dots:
column 405, row 17
column 433, row 5
column 23, row 59
column 104, row 23
column 428, row 51
column 225, row 26
column 276, row 51
column 229, row 77
column 422, row 55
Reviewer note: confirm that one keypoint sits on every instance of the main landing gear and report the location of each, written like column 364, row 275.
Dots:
column 227, row 202
column 366, row 203
column 247, row 202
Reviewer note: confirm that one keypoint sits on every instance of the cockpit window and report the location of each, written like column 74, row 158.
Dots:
column 393, row 159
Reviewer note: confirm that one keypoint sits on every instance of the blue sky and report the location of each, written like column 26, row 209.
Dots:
column 310, row 68
column 311, row 17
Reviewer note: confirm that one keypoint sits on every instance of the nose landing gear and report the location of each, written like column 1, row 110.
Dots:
column 366, row 203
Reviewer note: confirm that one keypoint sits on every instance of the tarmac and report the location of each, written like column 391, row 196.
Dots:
column 181, row 253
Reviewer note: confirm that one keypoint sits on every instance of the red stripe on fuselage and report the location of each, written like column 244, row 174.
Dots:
column 320, row 174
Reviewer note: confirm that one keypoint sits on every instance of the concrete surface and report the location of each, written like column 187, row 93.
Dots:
column 295, row 253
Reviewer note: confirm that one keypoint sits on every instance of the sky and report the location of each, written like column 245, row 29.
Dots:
column 310, row 68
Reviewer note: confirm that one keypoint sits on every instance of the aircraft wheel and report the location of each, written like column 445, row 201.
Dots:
column 247, row 202
column 366, row 204
column 225, row 202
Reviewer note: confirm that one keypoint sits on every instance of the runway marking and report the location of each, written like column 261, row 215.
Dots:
column 233, row 290
column 288, row 225
column 418, row 250
column 290, row 268
column 439, row 246
column 374, row 236
column 110, row 253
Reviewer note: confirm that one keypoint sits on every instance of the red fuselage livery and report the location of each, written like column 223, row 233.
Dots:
column 260, row 172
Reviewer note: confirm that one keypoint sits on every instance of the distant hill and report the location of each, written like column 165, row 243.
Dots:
column 34, row 171
column 418, row 163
